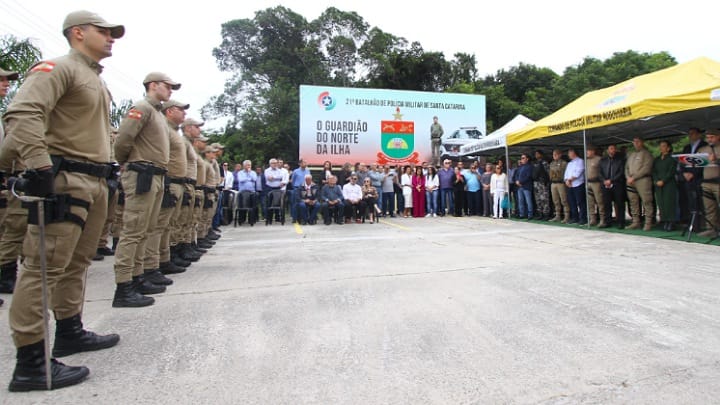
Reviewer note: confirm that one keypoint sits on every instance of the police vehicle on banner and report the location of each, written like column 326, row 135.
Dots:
column 451, row 142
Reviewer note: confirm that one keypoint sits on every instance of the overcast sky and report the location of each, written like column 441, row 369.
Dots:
column 178, row 39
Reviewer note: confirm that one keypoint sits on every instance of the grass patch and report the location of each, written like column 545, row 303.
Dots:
column 656, row 232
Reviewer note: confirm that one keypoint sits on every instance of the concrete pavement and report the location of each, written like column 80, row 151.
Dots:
column 427, row 310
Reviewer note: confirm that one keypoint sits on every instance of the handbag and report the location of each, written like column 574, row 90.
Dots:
column 505, row 204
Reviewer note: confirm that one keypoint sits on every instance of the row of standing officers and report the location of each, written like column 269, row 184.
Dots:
column 617, row 177
column 57, row 134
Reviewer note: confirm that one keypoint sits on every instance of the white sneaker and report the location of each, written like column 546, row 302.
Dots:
column 434, row 215
column 427, row 215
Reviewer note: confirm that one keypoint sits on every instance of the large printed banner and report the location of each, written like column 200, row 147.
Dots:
column 342, row 125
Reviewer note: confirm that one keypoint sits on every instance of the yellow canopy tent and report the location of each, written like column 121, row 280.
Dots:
column 654, row 105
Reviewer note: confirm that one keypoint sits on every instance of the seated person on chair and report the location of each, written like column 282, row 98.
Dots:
column 307, row 202
column 370, row 198
column 352, row 193
column 331, row 199
column 246, row 179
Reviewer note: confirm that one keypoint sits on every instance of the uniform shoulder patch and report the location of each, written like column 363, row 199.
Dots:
column 135, row 114
column 43, row 67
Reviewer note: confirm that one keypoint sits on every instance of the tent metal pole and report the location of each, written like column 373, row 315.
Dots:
column 587, row 193
column 507, row 158
column 507, row 173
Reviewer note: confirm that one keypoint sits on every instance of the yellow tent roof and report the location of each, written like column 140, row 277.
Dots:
column 694, row 85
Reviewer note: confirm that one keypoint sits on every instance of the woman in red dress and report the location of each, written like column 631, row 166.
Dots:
column 418, row 193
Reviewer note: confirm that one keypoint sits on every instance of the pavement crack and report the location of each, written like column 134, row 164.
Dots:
column 664, row 378
column 313, row 282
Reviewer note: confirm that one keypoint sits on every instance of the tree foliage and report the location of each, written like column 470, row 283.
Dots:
column 119, row 110
column 16, row 55
column 272, row 54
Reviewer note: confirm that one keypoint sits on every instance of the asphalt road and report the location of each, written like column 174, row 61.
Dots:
column 411, row 311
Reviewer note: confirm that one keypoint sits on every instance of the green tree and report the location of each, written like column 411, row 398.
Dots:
column 393, row 64
column 499, row 107
column 463, row 68
column 271, row 55
column 339, row 36
column 378, row 54
column 17, row 55
column 537, row 92
column 593, row 74
column 277, row 50
column 118, row 111
column 519, row 80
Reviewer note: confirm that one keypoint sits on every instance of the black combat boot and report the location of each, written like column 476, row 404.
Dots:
column 205, row 244
column 156, row 277
column 146, row 287
column 71, row 338
column 179, row 261
column 198, row 249
column 171, row 268
column 8, row 276
column 29, row 374
column 176, row 257
column 127, row 296
column 186, row 252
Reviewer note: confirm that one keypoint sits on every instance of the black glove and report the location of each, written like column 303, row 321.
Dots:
column 40, row 183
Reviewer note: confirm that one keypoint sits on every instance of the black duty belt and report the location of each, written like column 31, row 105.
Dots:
column 175, row 180
column 190, row 181
column 594, row 181
column 716, row 180
column 100, row 170
column 142, row 167
column 557, row 182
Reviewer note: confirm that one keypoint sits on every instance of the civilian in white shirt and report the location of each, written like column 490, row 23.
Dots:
column 354, row 204
column 432, row 184
column 575, row 181
column 275, row 179
column 499, row 188
column 274, row 176
column 285, row 169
